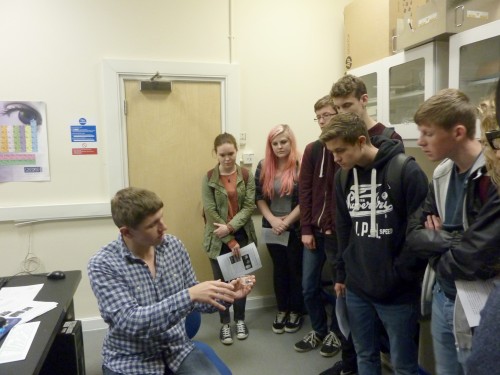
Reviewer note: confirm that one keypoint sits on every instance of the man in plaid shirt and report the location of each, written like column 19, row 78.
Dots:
column 145, row 287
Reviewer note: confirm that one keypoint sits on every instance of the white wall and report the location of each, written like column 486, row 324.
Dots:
column 289, row 53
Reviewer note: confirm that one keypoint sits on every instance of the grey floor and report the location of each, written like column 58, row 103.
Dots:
column 262, row 353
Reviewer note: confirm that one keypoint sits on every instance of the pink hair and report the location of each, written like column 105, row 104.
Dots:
column 290, row 174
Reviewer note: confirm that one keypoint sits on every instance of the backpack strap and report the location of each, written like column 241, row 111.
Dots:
column 388, row 132
column 394, row 178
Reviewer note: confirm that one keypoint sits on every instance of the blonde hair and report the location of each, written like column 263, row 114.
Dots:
column 489, row 123
column 290, row 174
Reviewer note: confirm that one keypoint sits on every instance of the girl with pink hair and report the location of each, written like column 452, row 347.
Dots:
column 277, row 192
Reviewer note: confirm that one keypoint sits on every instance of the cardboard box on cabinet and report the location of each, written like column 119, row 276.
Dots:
column 369, row 27
column 437, row 20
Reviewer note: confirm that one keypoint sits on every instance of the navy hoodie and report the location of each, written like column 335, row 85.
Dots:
column 371, row 230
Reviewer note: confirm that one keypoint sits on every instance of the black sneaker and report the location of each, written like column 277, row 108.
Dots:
column 331, row 345
column 226, row 335
column 241, row 330
column 294, row 322
column 336, row 369
column 309, row 342
column 279, row 322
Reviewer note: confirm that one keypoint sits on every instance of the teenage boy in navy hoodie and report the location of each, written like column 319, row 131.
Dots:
column 373, row 272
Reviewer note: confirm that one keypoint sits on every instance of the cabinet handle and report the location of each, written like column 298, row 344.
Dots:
column 393, row 42
column 457, row 9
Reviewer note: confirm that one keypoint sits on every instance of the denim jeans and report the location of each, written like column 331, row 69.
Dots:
column 400, row 322
column 312, row 265
column 287, row 274
column 196, row 362
column 449, row 361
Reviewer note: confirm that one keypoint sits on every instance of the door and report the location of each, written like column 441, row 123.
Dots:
column 169, row 145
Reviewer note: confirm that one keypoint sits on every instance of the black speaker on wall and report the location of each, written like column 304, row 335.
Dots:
column 66, row 356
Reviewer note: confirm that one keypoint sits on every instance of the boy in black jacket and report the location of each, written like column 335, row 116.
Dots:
column 372, row 271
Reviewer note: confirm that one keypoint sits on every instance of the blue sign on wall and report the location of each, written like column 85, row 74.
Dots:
column 87, row 133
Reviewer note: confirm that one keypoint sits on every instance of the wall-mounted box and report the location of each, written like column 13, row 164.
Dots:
column 438, row 19
column 368, row 29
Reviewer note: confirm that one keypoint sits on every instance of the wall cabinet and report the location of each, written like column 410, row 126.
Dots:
column 398, row 84
column 475, row 62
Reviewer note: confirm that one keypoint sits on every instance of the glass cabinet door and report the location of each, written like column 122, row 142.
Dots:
column 479, row 71
column 406, row 91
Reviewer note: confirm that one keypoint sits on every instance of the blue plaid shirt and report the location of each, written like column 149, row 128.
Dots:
column 145, row 316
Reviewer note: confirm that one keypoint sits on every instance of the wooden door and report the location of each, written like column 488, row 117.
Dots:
column 169, row 144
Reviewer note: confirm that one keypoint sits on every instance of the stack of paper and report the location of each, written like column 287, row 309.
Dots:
column 18, row 302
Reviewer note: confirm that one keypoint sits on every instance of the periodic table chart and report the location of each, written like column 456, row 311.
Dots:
column 23, row 142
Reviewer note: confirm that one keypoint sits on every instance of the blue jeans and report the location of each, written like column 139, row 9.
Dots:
column 400, row 322
column 196, row 362
column 312, row 265
column 449, row 361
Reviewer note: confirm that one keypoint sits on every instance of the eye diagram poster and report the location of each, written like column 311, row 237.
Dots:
column 23, row 142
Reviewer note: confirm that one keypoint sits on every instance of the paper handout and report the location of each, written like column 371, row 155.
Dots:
column 233, row 267
column 473, row 295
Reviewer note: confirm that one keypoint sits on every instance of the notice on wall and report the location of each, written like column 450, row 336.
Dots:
column 23, row 142
column 85, row 137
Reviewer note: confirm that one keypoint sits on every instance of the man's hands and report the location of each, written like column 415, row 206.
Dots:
column 243, row 285
column 212, row 292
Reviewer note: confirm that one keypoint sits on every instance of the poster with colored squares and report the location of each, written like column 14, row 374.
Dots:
column 23, row 142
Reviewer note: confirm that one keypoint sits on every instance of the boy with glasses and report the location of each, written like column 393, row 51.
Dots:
column 317, row 227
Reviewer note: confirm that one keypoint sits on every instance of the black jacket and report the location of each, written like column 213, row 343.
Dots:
column 472, row 254
column 371, row 229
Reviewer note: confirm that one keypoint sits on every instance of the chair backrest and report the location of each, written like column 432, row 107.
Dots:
column 193, row 322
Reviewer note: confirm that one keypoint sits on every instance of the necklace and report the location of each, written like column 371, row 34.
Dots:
column 228, row 175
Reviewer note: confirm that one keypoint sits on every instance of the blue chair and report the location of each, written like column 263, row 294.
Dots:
column 193, row 322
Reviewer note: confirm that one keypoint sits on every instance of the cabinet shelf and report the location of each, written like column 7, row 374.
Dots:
column 406, row 95
column 484, row 81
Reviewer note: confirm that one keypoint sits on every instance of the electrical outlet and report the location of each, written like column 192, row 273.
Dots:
column 248, row 158
column 243, row 138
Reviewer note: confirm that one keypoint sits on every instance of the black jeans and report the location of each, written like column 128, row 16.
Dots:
column 239, row 304
column 287, row 274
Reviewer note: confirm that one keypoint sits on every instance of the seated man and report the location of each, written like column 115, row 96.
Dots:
column 145, row 287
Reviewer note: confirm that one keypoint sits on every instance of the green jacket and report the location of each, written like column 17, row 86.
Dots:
column 215, row 206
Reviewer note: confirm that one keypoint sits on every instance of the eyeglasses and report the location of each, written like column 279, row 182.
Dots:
column 325, row 117
column 493, row 138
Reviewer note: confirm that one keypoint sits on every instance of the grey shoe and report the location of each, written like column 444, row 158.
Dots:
column 226, row 335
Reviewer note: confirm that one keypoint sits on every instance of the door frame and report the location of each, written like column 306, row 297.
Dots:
column 116, row 71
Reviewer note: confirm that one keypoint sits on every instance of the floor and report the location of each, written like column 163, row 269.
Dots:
column 262, row 353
